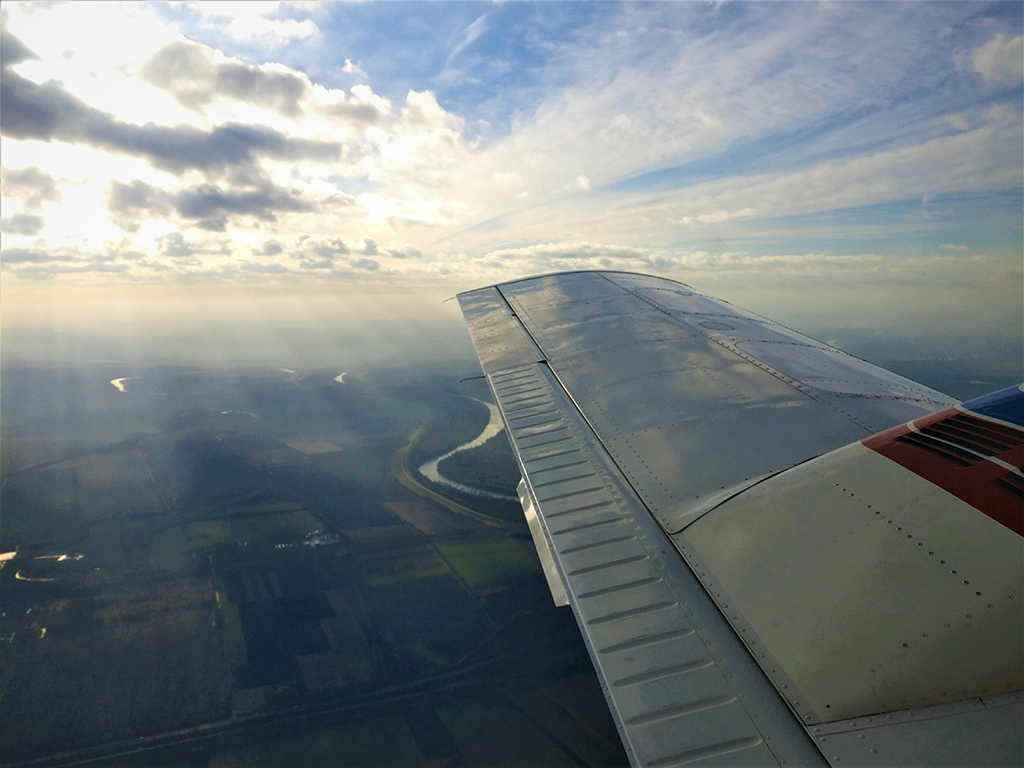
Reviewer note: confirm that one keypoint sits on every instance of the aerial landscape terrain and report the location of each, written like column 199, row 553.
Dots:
column 200, row 556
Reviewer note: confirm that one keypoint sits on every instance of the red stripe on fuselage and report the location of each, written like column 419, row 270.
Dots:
column 978, row 483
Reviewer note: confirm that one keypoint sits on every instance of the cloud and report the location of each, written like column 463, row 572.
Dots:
column 176, row 246
column 954, row 247
column 14, row 51
column 207, row 205
column 263, row 269
column 211, row 203
column 363, row 107
column 717, row 217
column 196, row 75
column 1000, row 61
column 248, row 20
column 469, row 36
column 508, row 179
column 22, row 224
column 47, row 112
column 269, row 248
column 403, row 252
column 354, row 69
column 23, row 255
column 369, row 247
column 29, row 185
column 327, row 247
column 368, row 264
column 128, row 203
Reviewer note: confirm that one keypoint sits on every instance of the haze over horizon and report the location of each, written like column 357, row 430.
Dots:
column 849, row 165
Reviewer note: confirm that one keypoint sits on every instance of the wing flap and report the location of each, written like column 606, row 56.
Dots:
column 679, row 684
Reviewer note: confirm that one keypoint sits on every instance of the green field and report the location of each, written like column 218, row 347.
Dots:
column 488, row 561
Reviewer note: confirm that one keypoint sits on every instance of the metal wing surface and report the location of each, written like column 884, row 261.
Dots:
column 760, row 571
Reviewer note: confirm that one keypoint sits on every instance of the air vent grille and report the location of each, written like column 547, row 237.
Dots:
column 940, row 448
column 984, row 437
column 1013, row 483
column 964, row 440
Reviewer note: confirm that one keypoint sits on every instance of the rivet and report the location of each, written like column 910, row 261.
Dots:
column 905, row 645
column 966, row 581
column 925, row 635
column 889, row 521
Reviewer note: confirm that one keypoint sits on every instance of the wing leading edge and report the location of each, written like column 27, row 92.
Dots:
column 656, row 430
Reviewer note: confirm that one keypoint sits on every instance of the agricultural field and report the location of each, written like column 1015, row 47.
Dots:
column 252, row 569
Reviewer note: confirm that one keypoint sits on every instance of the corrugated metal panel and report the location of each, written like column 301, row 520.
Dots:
column 678, row 686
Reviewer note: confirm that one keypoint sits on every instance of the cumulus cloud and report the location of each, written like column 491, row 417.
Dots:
column 22, row 224
column 364, row 263
column 354, row 69
column 29, row 185
column 267, row 22
column 364, row 106
column 196, row 74
column 209, row 206
column 269, row 248
column 1000, row 61
column 175, row 245
column 14, row 51
column 954, row 247
column 369, row 247
column 130, row 203
column 47, row 112
column 210, row 203
column 403, row 252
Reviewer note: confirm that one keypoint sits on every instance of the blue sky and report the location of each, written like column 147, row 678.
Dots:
column 457, row 144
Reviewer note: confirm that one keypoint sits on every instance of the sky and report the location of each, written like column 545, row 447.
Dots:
column 861, row 162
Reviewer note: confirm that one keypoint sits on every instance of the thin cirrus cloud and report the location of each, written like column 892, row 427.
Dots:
column 625, row 136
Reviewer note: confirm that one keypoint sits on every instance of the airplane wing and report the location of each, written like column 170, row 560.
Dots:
column 776, row 553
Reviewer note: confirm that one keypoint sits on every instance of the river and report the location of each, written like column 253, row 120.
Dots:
column 494, row 426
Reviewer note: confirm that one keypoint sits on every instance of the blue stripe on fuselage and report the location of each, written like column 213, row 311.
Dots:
column 1005, row 405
